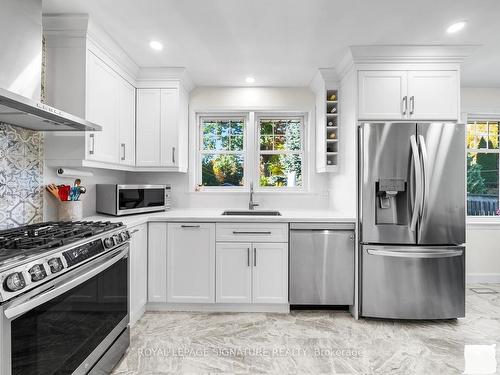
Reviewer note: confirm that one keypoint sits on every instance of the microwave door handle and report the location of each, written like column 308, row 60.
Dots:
column 418, row 183
column 425, row 175
column 58, row 287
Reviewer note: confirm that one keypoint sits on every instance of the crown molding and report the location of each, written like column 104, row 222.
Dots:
column 404, row 54
column 158, row 76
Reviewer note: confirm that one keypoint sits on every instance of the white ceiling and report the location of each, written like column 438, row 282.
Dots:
column 283, row 42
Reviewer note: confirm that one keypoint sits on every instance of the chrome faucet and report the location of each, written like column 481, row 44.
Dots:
column 251, row 204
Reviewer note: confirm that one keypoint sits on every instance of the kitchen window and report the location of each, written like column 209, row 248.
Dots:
column 483, row 154
column 280, row 151
column 266, row 149
column 222, row 151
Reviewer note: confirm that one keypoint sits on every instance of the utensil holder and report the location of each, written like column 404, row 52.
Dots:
column 70, row 210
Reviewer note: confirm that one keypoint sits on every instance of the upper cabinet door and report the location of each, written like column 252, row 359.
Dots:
column 433, row 95
column 102, row 108
column 382, row 95
column 148, row 127
column 127, row 122
column 169, row 127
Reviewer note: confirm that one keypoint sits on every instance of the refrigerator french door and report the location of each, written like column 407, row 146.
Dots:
column 412, row 220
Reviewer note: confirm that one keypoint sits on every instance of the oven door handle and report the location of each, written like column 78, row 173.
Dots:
column 62, row 285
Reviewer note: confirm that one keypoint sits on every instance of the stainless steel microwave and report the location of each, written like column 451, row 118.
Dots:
column 121, row 200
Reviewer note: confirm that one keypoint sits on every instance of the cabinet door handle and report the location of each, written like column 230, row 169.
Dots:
column 412, row 105
column 404, row 105
column 190, row 226
column 248, row 257
column 173, row 155
column 255, row 257
column 124, row 152
column 92, row 143
column 247, row 232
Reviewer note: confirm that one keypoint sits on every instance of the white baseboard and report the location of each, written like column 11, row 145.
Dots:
column 475, row 278
column 218, row 307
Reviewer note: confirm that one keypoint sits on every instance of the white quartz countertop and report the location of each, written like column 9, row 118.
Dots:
column 215, row 215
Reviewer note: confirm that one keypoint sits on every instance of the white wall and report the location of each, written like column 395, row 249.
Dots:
column 247, row 99
column 483, row 251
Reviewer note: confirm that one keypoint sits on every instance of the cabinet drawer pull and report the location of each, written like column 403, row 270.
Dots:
column 124, row 152
column 190, row 226
column 92, row 143
column 245, row 232
column 248, row 257
column 255, row 257
column 134, row 231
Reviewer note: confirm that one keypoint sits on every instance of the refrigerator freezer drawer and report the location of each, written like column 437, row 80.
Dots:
column 321, row 267
column 413, row 282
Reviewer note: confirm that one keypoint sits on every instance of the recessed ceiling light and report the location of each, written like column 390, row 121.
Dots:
column 249, row 80
column 157, row 46
column 457, row 26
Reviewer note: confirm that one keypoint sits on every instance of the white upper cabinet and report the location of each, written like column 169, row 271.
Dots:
column 408, row 95
column 102, row 109
column 433, row 95
column 162, row 128
column 126, row 104
column 191, row 263
column 381, row 94
column 148, row 127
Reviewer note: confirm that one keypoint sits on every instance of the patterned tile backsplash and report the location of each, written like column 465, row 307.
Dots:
column 21, row 176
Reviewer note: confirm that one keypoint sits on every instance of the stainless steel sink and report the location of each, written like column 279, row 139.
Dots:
column 251, row 213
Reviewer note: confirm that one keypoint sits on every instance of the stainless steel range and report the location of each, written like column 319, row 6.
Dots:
column 63, row 297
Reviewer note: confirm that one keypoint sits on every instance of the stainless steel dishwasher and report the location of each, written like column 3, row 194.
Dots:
column 322, row 263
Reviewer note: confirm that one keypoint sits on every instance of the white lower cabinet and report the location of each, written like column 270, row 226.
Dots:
column 270, row 273
column 191, row 263
column 138, row 271
column 252, row 273
column 157, row 262
column 234, row 273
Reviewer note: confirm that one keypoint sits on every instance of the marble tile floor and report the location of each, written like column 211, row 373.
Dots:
column 316, row 342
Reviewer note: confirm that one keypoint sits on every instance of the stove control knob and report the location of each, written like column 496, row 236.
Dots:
column 109, row 242
column 117, row 238
column 55, row 265
column 123, row 236
column 14, row 282
column 37, row 272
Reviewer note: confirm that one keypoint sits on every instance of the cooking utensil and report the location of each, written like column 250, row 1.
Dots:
column 83, row 189
column 53, row 189
column 64, row 192
column 77, row 182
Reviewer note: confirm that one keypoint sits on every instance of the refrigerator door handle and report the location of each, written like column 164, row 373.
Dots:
column 425, row 175
column 417, row 254
column 418, row 183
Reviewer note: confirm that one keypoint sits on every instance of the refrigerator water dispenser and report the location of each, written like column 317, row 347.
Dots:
column 391, row 201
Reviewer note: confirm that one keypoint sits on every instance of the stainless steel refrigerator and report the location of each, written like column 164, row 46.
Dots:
column 412, row 220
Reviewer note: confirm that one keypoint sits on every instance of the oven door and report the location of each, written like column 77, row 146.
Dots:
column 68, row 324
column 132, row 199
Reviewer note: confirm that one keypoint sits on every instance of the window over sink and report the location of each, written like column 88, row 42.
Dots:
column 235, row 150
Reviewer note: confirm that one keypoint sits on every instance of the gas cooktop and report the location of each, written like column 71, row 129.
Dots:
column 21, row 242
column 33, row 254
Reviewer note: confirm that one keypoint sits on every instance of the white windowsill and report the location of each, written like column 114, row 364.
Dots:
column 483, row 222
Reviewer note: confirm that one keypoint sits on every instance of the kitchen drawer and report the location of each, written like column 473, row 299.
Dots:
column 252, row 232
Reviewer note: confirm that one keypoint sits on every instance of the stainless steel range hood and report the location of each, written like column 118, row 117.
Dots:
column 21, row 111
